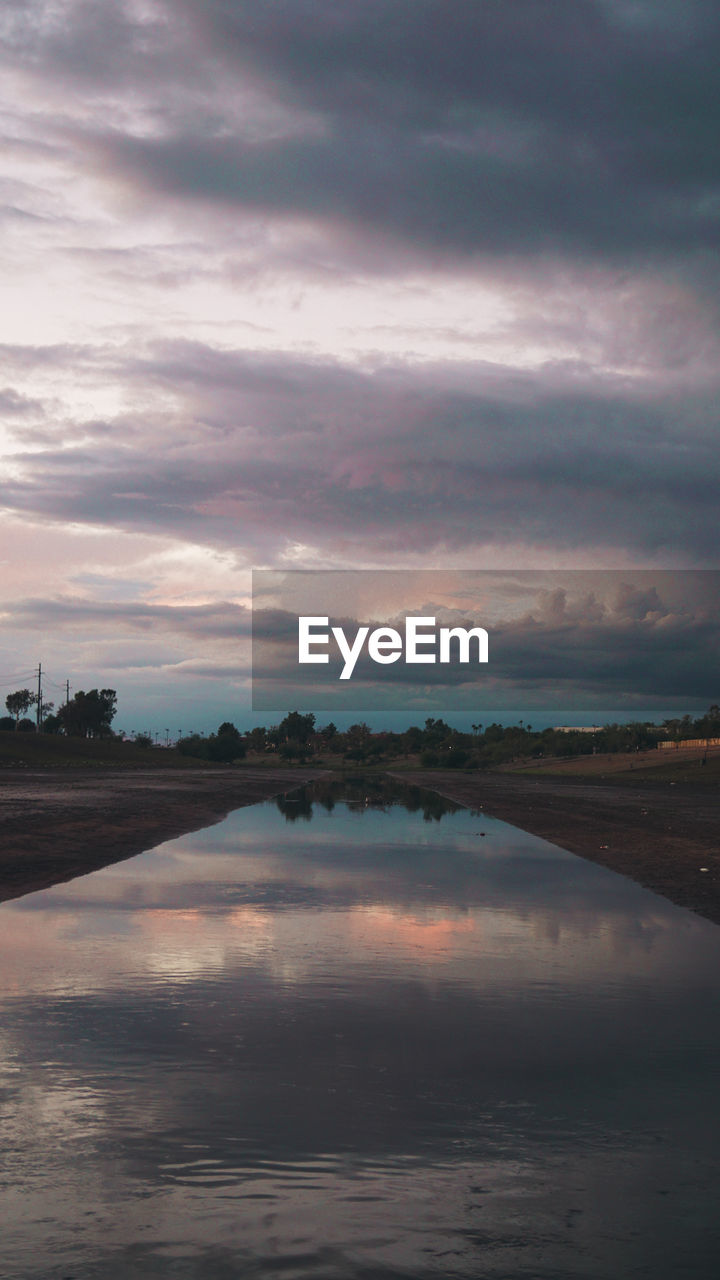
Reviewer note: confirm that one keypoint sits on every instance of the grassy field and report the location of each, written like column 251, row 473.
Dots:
column 657, row 766
column 46, row 751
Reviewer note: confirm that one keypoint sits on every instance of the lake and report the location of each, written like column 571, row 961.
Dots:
column 358, row 1032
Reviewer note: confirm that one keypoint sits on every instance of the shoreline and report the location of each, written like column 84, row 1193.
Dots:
column 657, row 833
column 60, row 825
column 56, row 826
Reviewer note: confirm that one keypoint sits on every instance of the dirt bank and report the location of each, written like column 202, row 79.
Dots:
column 56, row 825
column 59, row 825
column 658, row 833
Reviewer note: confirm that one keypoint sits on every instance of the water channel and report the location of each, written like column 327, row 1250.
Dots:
column 358, row 1032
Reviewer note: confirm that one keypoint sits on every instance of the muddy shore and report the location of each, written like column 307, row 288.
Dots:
column 59, row 825
column 56, row 825
column 658, row 833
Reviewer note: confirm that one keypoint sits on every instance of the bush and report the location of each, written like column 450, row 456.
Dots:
column 222, row 747
column 225, row 745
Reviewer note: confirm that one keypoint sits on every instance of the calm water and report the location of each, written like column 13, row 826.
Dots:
column 330, row 1039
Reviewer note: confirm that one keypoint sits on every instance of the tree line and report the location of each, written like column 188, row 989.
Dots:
column 298, row 737
column 87, row 715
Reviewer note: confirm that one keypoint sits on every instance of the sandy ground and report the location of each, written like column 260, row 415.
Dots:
column 57, row 825
column 658, row 833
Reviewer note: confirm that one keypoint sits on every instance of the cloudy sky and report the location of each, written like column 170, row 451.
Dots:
column 322, row 283
column 622, row 644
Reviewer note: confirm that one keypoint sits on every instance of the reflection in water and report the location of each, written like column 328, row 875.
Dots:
column 359, row 794
column 371, row 1043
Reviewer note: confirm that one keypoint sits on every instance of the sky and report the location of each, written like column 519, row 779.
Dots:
column 340, row 285
column 612, row 645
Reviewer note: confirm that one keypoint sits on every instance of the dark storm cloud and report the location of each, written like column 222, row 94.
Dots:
column 547, row 136
column 583, row 126
column 580, row 126
column 257, row 451
column 627, row 639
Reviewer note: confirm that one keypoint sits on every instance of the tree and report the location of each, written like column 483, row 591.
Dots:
column 222, row 747
column 89, row 715
column 436, row 731
column 19, row 703
column 226, row 745
column 296, row 728
column 358, row 735
column 412, row 739
column 257, row 738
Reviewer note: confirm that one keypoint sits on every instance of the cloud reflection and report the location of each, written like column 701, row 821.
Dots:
column 358, row 1019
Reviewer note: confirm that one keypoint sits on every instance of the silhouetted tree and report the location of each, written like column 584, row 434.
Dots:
column 257, row 738
column 222, row 747
column 89, row 715
column 225, row 745
column 328, row 734
column 296, row 727
column 19, row 703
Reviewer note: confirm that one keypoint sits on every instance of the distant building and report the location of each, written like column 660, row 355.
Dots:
column 575, row 728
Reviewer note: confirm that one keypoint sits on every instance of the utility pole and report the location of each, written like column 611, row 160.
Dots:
column 38, row 710
column 67, row 692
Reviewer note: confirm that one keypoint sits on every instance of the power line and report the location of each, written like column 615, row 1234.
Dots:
column 6, row 681
column 43, row 680
column 54, row 684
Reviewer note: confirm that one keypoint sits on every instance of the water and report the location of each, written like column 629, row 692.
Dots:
column 330, row 1039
